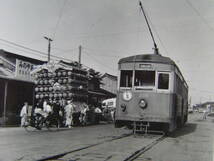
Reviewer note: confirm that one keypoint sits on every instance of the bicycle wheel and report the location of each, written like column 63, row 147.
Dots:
column 29, row 128
column 52, row 124
column 27, row 125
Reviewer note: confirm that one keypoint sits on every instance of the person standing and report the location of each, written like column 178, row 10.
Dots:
column 23, row 114
column 69, row 109
column 207, row 111
column 83, row 115
column 98, row 114
column 47, row 109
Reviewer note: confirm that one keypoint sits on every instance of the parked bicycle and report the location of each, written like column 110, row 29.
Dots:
column 39, row 121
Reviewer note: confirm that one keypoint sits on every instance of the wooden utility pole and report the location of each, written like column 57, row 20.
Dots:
column 49, row 47
column 5, row 102
column 80, row 53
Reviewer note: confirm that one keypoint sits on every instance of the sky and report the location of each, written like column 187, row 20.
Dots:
column 109, row 30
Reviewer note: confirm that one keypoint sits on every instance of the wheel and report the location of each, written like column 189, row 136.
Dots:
column 52, row 124
column 29, row 128
column 28, row 125
column 38, row 121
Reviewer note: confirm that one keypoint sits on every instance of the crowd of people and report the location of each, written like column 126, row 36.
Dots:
column 68, row 113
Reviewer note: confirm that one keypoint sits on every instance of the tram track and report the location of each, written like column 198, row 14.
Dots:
column 139, row 152
column 57, row 156
column 93, row 150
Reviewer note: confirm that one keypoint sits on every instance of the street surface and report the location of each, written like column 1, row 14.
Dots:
column 194, row 142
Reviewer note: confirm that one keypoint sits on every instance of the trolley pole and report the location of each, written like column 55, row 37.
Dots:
column 150, row 30
column 49, row 47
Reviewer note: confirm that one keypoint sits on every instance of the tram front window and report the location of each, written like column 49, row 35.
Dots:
column 163, row 81
column 126, row 78
column 144, row 78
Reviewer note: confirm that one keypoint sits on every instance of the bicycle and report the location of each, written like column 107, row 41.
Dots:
column 38, row 122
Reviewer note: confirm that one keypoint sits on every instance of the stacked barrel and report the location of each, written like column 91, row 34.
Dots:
column 62, row 84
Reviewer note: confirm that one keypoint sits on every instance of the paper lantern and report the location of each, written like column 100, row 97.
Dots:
column 64, row 73
column 37, row 96
column 69, row 73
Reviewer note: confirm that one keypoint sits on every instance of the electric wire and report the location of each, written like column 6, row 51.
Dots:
column 100, row 55
column 37, row 52
column 99, row 62
column 204, row 91
column 22, row 50
column 113, row 51
column 60, row 16
column 199, row 15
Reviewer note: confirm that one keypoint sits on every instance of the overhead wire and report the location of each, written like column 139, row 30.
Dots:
column 204, row 91
column 112, row 51
column 199, row 15
column 59, row 18
column 99, row 62
column 65, row 50
column 101, row 55
column 32, row 50
column 13, row 47
column 39, row 53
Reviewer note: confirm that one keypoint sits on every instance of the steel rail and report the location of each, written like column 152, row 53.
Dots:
column 139, row 152
column 58, row 156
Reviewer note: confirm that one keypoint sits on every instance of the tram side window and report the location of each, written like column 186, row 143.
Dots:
column 126, row 78
column 163, row 81
column 144, row 78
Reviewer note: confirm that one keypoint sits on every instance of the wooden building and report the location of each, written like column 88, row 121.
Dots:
column 109, row 83
column 16, row 85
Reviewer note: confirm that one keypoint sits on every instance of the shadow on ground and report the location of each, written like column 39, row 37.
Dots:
column 187, row 129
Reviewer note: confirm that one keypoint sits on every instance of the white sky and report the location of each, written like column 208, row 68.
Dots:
column 111, row 29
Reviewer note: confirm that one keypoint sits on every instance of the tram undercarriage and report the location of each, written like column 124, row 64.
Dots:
column 142, row 126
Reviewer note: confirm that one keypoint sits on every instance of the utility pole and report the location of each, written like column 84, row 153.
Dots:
column 80, row 53
column 49, row 47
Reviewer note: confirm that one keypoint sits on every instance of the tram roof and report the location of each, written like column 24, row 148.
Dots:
column 151, row 58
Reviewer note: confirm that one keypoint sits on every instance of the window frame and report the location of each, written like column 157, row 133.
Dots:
column 153, row 87
column 170, row 81
column 119, row 82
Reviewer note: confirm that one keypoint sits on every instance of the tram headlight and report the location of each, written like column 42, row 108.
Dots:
column 142, row 104
column 127, row 95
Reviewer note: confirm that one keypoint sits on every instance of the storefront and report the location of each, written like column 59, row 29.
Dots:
column 13, row 94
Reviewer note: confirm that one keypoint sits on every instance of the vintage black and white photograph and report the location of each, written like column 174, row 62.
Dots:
column 106, row 80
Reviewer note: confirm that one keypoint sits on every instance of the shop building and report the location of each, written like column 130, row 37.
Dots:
column 16, row 85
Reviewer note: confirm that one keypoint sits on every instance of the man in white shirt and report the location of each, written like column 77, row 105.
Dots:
column 69, row 110
column 23, row 114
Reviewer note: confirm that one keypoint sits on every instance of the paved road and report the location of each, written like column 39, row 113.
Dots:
column 17, row 144
column 194, row 142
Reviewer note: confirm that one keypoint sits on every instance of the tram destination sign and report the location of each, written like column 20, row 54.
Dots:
column 146, row 66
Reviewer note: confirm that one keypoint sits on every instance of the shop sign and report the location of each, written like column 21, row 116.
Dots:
column 23, row 69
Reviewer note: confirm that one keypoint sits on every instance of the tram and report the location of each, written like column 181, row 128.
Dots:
column 152, row 92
